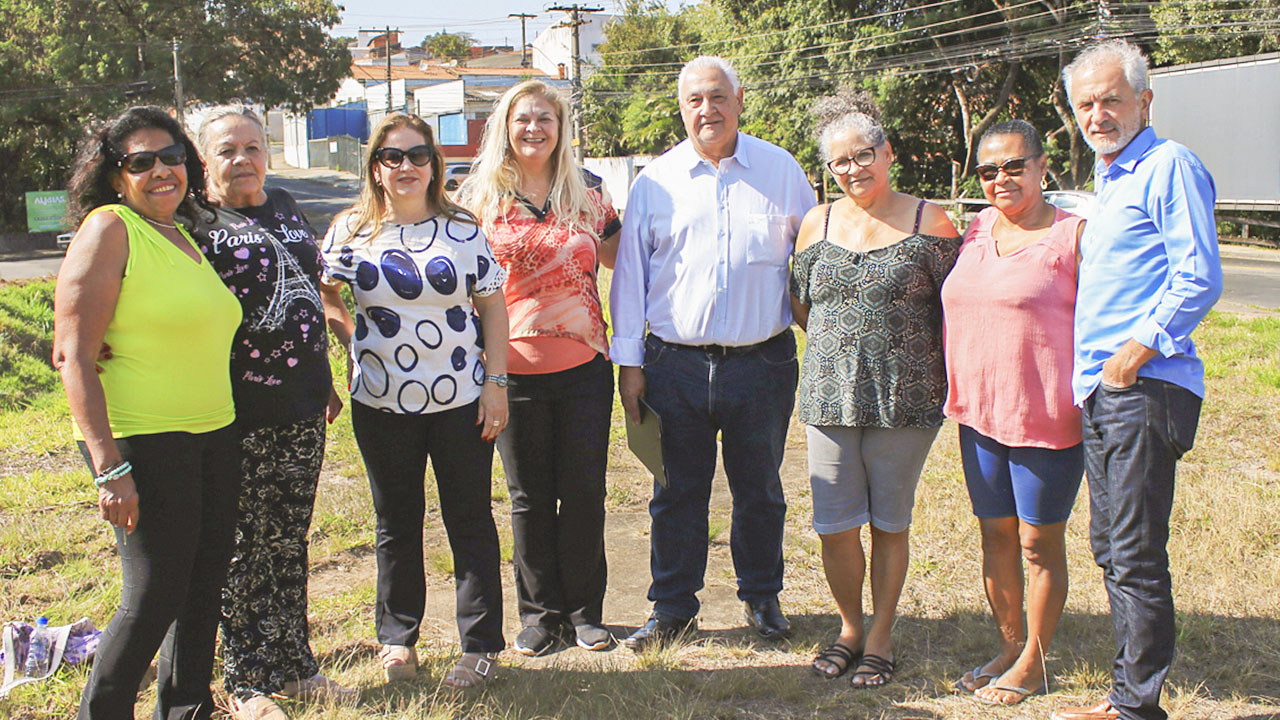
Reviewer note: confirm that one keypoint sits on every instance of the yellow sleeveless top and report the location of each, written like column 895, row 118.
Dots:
column 170, row 339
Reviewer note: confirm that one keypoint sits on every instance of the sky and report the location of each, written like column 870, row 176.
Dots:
column 484, row 20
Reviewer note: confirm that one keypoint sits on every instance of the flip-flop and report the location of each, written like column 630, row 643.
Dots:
column 1021, row 692
column 977, row 673
column 838, row 655
column 876, row 667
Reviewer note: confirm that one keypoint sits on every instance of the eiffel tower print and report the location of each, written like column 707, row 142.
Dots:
column 291, row 284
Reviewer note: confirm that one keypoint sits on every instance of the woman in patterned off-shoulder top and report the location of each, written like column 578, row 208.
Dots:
column 865, row 281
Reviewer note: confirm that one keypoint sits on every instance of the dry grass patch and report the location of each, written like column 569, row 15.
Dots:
column 56, row 558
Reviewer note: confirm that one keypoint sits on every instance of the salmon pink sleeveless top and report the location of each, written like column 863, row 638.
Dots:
column 1007, row 336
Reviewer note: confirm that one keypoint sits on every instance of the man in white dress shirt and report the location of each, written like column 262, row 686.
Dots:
column 703, row 266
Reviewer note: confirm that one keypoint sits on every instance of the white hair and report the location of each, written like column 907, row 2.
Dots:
column 203, row 135
column 706, row 62
column 1132, row 62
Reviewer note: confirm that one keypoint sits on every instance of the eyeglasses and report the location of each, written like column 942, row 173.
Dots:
column 1013, row 167
column 141, row 162
column 861, row 158
column 393, row 157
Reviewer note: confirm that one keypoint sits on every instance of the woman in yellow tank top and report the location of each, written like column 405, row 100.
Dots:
column 156, row 425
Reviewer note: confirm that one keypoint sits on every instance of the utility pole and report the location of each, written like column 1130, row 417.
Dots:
column 574, row 22
column 178, row 102
column 524, row 45
column 387, row 47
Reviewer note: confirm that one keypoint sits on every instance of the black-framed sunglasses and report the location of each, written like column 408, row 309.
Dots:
column 140, row 162
column 1013, row 167
column 393, row 157
column 861, row 158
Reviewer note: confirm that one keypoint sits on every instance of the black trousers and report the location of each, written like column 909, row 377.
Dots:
column 174, row 565
column 555, row 451
column 395, row 448
column 1133, row 438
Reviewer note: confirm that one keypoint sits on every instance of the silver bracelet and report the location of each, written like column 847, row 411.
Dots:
column 115, row 472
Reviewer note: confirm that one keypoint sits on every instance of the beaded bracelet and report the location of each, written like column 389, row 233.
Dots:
column 113, row 473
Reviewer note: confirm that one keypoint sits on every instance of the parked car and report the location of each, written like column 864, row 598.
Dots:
column 454, row 174
column 1076, row 202
column 64, row 241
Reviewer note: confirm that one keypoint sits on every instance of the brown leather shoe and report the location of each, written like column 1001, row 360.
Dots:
column 1101, row 711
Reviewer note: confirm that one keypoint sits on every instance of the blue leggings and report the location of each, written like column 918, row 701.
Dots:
column 1038, row 485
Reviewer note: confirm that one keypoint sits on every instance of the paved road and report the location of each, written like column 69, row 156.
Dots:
column 1252, row 274
column 320, row 193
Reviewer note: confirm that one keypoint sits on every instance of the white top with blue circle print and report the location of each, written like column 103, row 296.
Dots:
column 417, row 342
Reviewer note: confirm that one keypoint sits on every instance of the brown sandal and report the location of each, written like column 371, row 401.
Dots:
column 473, row 670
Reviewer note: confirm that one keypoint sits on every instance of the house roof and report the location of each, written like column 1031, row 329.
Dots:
column 433, row 71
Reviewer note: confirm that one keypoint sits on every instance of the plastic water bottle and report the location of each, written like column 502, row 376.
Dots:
column 38, row 649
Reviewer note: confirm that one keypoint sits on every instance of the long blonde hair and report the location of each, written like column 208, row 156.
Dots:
column 365, row 217
column 494, row 183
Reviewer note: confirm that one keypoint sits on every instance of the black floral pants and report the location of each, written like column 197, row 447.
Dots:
column 265, row 639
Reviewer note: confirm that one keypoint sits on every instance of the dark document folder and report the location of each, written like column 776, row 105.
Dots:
column 645, row 440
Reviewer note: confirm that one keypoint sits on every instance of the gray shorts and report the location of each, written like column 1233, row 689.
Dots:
column 860, row 475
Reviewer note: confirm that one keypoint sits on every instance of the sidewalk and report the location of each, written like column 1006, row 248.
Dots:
column 318, row 175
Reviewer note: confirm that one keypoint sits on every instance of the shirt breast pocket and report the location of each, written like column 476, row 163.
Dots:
column 769, row 239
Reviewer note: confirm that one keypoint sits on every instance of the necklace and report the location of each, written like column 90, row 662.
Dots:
column 157, row 223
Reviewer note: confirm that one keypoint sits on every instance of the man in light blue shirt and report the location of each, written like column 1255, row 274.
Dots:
column 701, row 330
column 1149, row 273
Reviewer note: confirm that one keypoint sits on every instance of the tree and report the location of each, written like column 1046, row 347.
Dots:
column 65, row 62
column 454, row 46
column 1198, row 30
column 629, row 102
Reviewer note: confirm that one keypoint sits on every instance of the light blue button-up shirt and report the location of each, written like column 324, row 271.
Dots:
column 704, row 250
column 1149, row 266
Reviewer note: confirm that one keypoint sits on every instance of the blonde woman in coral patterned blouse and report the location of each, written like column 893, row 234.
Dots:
column 551, row 225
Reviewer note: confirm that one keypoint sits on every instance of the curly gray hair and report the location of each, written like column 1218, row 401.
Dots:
column 843, row 111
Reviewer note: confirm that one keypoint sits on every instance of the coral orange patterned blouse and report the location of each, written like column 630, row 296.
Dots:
column 552, row 299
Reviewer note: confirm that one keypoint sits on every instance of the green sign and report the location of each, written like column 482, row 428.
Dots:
column 46, row 210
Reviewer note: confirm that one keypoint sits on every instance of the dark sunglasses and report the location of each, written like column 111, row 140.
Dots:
column 140, row 162
column 1013, row 167
column 393, row 157
column 861, row 158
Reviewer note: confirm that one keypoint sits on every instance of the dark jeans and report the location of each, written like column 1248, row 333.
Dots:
column 746, row 398
column 174, row 564
column 395, row 448
column 1133, row 438
column 555, row 451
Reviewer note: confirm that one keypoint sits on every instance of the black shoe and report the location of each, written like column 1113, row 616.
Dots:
column 593, row 637
column 535, row 640
column 767, row 619
column 660, row 629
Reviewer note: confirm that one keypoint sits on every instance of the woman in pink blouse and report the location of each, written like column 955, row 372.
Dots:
column 1008, row 306
column 551, row 225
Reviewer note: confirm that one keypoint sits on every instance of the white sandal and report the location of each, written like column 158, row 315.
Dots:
column 317, row 688
column 258, row 707
column 399, row 662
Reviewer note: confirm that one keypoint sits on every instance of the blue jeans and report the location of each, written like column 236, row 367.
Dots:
column 1133, row 438
column 746, row 398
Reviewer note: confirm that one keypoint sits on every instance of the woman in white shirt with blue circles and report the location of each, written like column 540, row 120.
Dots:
column 428, row 350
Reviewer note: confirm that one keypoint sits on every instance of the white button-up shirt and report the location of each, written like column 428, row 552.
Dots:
column 704, row 250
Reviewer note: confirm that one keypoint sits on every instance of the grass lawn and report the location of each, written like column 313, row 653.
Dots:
column 57, row 559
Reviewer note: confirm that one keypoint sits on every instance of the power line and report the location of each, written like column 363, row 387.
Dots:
column 882, row 40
